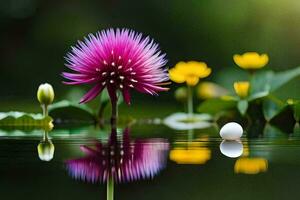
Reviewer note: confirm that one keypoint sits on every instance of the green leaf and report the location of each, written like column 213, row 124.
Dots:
column 13, row 119
column 271, row 131
column 296, row 108
column 260, row 84
column 264, row 82
column 213, row 106
column 242, row 106
column 272, row 107
column 104, row 96
column 281, row 78
column 66, row 112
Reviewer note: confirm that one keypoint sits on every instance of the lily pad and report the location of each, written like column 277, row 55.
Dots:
column 13, row 118
column 183, row 121
column 71, row 112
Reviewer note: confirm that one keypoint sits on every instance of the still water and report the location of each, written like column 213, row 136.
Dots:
column 147, row 162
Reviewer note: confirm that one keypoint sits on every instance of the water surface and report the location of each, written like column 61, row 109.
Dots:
column 157, row 163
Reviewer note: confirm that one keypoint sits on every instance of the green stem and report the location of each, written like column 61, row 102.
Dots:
column 101, row 112
column 45, row 110
column 114, row 113
column 110, row 189
column 190, row 100
column 190, row 135
column 45, row 136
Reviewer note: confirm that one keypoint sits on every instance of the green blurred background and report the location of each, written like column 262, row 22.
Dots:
column 36, row 35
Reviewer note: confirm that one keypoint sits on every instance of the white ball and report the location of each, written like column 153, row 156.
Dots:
column 231, row 131
column 232, row 149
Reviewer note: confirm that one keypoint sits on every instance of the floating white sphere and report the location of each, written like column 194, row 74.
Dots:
column 231, row 131
column 231, row 149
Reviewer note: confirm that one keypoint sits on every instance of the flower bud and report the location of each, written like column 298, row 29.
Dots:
column 45, row 94
column 242, row 88
column 181, row 94
column 45, row 150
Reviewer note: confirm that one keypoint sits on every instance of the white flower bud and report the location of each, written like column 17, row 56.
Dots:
column 45, row 94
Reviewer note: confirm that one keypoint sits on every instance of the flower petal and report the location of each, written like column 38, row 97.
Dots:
column 92, row 93
column 126, row 95
column 88, row 151
column 192, row 80
column 176, row 76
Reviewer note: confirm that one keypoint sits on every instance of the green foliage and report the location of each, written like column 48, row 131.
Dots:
column 265, row 82
column 260, row 85
column 273, row 132
column 22, row 119
column 213, row 106
column 242, row 106
column 71, row 112
column 272, row 107
column 281, row 78
column 296, row 108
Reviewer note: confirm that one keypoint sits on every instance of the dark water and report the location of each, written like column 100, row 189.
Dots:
column 149, row 162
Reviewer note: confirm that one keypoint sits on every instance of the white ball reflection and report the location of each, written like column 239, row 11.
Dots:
column 232, row 148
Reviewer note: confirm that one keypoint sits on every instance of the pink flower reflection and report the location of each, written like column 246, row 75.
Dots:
column 122, row 159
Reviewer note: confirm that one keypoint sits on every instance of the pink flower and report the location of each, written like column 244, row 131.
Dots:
column 118, row 60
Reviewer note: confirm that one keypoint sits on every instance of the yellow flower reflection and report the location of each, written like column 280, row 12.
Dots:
column 189, row 72
column 251, row 60
column 250, row 165
column 241, row 88
column 194, row 153
column 190, row 156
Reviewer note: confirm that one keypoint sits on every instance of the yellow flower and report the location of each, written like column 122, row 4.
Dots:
column 250, row 165
column 251, row 60
column 208, row 90
column 241, row 88
column 189, row 72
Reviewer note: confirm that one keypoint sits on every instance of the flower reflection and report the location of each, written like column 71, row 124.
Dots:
column 46, row 148
column 180, row 121
column 120, row 159
column 191, row 152
column 250, row 165
column 245, row 164
column 198, row 155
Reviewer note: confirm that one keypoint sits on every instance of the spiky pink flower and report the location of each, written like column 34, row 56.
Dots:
column 118, row 60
